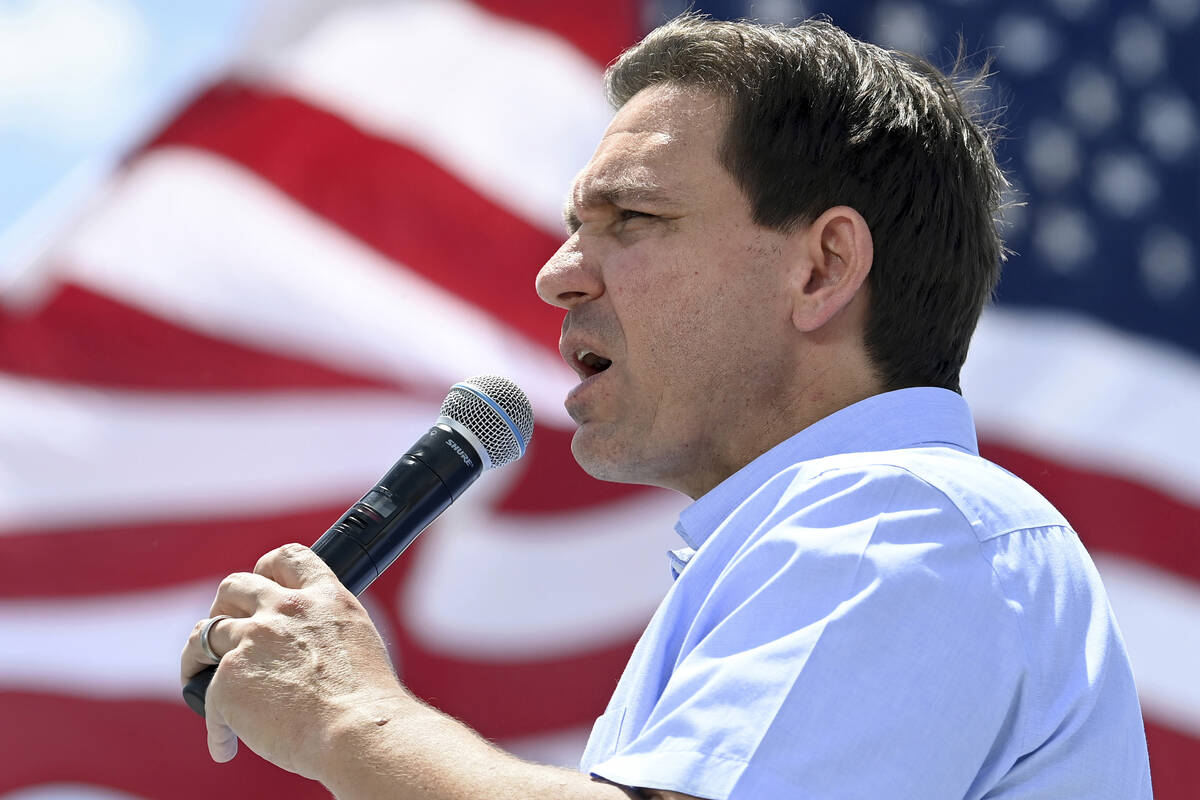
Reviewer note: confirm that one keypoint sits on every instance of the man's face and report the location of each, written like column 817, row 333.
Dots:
column 678, row 318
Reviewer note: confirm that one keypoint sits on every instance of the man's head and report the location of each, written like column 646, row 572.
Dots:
column 818, row 119
column 723, row 235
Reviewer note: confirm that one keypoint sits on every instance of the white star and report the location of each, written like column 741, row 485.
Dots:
column 1179, row 12
column 1139, row 48
column 1027, row 44
column 1168, row 124
column 1124, row 183
column 1052, row 154
column 1167, row 263
column 904, row 26
column 1092, row 97
column 1074, row 9
column 1063, row 238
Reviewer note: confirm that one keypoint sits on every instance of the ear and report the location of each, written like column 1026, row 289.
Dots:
column 838, row 252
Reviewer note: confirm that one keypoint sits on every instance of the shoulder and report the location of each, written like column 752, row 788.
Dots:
column 962, row 488
column 879, row 528
column 936, row 523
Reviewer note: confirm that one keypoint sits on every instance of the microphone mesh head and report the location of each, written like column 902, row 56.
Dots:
column 504, row 439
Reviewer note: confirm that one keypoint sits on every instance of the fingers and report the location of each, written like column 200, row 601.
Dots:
column 294, row 566
column 223, row 636
column 241, row 594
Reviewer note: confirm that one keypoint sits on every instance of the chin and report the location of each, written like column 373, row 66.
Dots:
column 593, row 464
column 602, row 458
column 605, row 459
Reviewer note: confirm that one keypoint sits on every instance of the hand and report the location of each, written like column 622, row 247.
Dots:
column 298, row 654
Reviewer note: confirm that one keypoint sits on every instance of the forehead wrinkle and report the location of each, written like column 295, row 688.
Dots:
column 618, row 190
column 602, row 190
column 623, row 174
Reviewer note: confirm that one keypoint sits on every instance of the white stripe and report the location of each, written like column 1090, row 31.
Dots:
column 125, row 645
column 560, row 748
column 511, row 109
column 1085, row 394
column 1159, row 614
column 72, row 456
column 547, row 584
column 284, row 280
column 60, row 790
column 605, row 583
column 121, row 646
column 478, row 590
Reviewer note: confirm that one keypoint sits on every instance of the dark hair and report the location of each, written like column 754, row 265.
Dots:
column 819, row 119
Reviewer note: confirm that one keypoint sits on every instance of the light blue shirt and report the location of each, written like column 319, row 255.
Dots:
column 870, row 610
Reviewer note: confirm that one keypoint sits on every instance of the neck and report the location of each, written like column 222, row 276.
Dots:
column 825, row 390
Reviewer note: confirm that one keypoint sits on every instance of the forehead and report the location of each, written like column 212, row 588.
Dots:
column 664, row 137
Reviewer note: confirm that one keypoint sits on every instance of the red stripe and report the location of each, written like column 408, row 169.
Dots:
column 389, row 196
column 1111, row 513
column 1173, row 759
column 148, row 554
column 84, row 337
column 144, row 748
column 517, row 698
column 601, row 31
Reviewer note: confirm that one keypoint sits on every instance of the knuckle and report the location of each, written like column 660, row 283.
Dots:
column 345, row 601
column 232, row 582
column 293, row 603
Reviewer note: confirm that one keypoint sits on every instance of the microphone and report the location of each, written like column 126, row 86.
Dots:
column 485, row 422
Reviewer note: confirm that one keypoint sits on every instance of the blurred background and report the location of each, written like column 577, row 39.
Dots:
column 246, row 246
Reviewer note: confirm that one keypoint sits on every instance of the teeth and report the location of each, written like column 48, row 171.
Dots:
column 590, row 359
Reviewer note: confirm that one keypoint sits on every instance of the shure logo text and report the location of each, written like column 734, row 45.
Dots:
column 466, row 458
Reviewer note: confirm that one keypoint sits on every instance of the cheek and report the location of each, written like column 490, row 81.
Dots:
column 691, row 317
column 646, row 297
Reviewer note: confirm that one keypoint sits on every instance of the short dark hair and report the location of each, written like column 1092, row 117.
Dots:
column 819, row 119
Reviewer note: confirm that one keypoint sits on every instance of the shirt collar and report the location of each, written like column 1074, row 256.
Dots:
column 923, row 416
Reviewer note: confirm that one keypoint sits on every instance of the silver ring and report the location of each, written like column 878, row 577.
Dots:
column 205, row 645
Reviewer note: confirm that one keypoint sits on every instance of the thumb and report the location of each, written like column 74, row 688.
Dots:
column 222, row 741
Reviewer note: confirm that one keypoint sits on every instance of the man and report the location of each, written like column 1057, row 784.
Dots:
column 777, row 256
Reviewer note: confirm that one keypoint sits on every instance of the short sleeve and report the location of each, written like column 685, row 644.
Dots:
column 852, row 645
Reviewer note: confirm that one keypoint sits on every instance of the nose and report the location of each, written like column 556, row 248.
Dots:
column 567, row 279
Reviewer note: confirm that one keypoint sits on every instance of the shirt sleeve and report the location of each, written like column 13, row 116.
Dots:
column 855, row 645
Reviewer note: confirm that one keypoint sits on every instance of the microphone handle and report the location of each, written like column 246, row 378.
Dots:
column 379, row 527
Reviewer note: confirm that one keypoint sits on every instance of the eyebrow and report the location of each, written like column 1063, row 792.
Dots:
column 620, row 192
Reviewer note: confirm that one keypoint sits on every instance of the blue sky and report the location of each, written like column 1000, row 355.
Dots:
column 82, row 79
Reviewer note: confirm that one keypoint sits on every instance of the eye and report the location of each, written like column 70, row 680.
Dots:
column 627, row 214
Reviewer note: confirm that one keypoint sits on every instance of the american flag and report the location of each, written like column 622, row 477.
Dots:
column 267, row 300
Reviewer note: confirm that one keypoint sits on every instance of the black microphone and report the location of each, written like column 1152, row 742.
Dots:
column 485, row 422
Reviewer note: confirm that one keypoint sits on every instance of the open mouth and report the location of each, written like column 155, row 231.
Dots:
column 591, row 363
